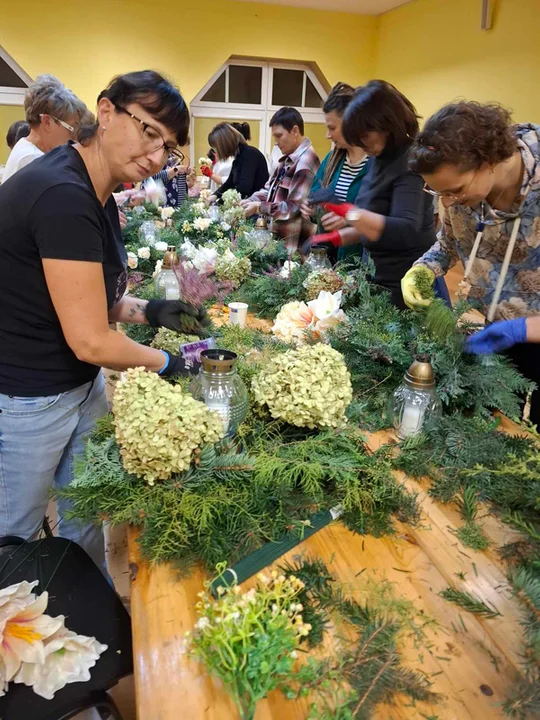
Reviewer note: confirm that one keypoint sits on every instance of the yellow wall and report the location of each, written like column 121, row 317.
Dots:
column 434, row 52
column 86, row 43
column 8, row 115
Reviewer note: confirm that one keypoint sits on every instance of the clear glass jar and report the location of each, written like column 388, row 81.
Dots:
column 221, row 389
column 411, row 407
column 214, row 213
column 318, row 259
column 166, row 282
column 415, row 401
column 147, row 232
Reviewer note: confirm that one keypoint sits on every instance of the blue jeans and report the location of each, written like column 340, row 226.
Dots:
column 40, row 438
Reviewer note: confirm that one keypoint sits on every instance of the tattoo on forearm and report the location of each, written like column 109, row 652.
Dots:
column 137, row 313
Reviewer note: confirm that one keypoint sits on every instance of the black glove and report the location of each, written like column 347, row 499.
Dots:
column 177, row 315
column 179, row 366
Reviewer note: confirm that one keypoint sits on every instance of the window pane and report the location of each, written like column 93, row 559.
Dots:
column 217, row 92
column 313, row 99
column 287, row 87
column 245, row 84
column 8, row 77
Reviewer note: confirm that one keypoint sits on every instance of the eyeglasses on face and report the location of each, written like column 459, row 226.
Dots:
column 59, row 122
column 447, row 195
column 152, row 137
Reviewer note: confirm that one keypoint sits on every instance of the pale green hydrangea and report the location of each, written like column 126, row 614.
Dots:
column 159, row 427
column 309, row 387
column 232, row 269
column 171, row 340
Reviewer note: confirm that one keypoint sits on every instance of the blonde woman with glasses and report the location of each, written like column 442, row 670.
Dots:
column 54, row 114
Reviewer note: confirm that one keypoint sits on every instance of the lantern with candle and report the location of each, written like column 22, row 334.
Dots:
column 166, row 283
column 219, row 386
column 415, row 400
column 318, row 259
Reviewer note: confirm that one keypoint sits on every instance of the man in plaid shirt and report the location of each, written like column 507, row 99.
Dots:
column 291, row 181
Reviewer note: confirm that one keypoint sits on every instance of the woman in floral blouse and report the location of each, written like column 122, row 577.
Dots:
column 486, row 171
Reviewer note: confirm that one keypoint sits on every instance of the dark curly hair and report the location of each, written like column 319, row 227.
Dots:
column 466, row 134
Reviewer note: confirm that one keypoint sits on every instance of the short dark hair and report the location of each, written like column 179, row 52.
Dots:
column 17, row 130
column 339, row 98
column 466, row 134
column 380, row 106
column 225, row 140
column 159, row 97
column 288, row 117
column 243, row 128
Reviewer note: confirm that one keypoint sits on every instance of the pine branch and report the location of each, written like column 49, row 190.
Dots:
column 468, row 602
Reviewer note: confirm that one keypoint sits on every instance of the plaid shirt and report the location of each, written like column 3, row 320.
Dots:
column 289, row 184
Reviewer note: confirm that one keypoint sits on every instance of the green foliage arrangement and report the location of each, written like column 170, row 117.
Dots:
column 268, row 293
column 229, row 503
column 249, row 640
column 379, row 343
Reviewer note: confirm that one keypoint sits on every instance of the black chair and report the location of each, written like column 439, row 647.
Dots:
column 78, row 590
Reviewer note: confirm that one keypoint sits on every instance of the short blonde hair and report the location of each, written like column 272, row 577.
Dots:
column 225, row 140
column 48, row 96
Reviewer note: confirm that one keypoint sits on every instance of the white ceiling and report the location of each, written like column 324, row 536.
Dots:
column 362, row 7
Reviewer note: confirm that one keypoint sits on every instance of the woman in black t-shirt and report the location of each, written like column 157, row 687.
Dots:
column 249, row 171
column 62, row 281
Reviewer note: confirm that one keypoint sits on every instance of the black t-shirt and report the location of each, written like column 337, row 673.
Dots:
column 49, row 209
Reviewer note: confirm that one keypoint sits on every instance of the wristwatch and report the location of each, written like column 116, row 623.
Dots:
column 353, row 215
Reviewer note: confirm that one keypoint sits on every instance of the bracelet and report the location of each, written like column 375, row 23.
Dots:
column 167, row 360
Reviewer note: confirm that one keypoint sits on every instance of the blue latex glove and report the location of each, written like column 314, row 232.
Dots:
column 497, row 337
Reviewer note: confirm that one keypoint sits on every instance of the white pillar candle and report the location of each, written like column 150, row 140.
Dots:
column 411, row 420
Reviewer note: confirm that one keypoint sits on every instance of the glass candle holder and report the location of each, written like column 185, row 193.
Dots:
column 147, row 232
column 415, row 401
column 166, row 283
column 221, row 389
column 318, row 259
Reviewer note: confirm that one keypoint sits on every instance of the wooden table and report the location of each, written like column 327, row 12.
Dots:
column 473, row 663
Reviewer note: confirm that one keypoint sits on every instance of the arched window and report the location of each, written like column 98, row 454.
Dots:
column 13, row 84
column 252, row 91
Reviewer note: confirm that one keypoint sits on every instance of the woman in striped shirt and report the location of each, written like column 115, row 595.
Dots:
column 344, row 166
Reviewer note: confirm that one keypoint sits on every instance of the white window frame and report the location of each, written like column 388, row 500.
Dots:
column 247, row 111
column 11, row 95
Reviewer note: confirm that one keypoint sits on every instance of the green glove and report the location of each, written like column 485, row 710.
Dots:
column 415, row 287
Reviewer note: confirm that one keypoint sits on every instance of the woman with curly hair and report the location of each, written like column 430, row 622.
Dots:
column 486, row 171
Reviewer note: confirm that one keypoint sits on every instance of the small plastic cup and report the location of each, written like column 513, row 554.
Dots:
column 238, row 313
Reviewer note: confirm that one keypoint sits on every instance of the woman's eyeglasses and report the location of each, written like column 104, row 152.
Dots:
column 447, row 195
column 152, row 137
column 60, row 122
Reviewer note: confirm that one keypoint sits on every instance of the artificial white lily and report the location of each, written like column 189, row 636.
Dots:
column 326, row 311
column 205, row 259
column 288, row 267
column 23, row 627
column 68, row 658
column 202, row 223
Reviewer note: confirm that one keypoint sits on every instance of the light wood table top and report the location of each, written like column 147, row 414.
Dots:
column 473, row 664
